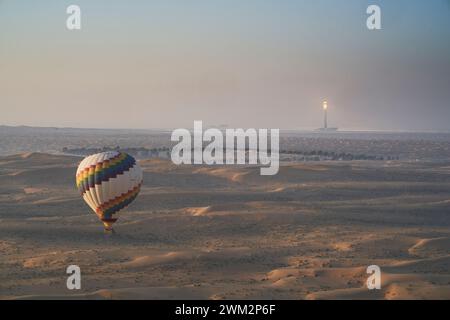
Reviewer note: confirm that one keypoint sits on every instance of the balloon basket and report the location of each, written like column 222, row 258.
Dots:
column 108, row 229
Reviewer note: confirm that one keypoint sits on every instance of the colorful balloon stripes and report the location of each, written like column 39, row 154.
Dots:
column 108, row 182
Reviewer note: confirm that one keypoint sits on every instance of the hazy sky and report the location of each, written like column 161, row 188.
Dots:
column 252, row 63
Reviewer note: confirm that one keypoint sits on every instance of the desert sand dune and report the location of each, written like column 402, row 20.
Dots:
column 137, row 293
column 430, row 246
column 228, row 233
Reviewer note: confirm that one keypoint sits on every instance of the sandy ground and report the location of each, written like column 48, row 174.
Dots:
column 228, row 233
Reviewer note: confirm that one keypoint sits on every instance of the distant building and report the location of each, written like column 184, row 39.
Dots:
column 325, row 119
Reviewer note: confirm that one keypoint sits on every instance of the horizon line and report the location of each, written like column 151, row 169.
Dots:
column 309, row 130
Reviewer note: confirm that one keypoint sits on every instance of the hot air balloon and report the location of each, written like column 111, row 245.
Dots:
column 108, row 182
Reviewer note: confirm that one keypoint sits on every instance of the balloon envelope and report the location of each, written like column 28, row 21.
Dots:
column 108, row 182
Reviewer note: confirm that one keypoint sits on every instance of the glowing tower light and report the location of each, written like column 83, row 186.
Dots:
column 325, row 108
